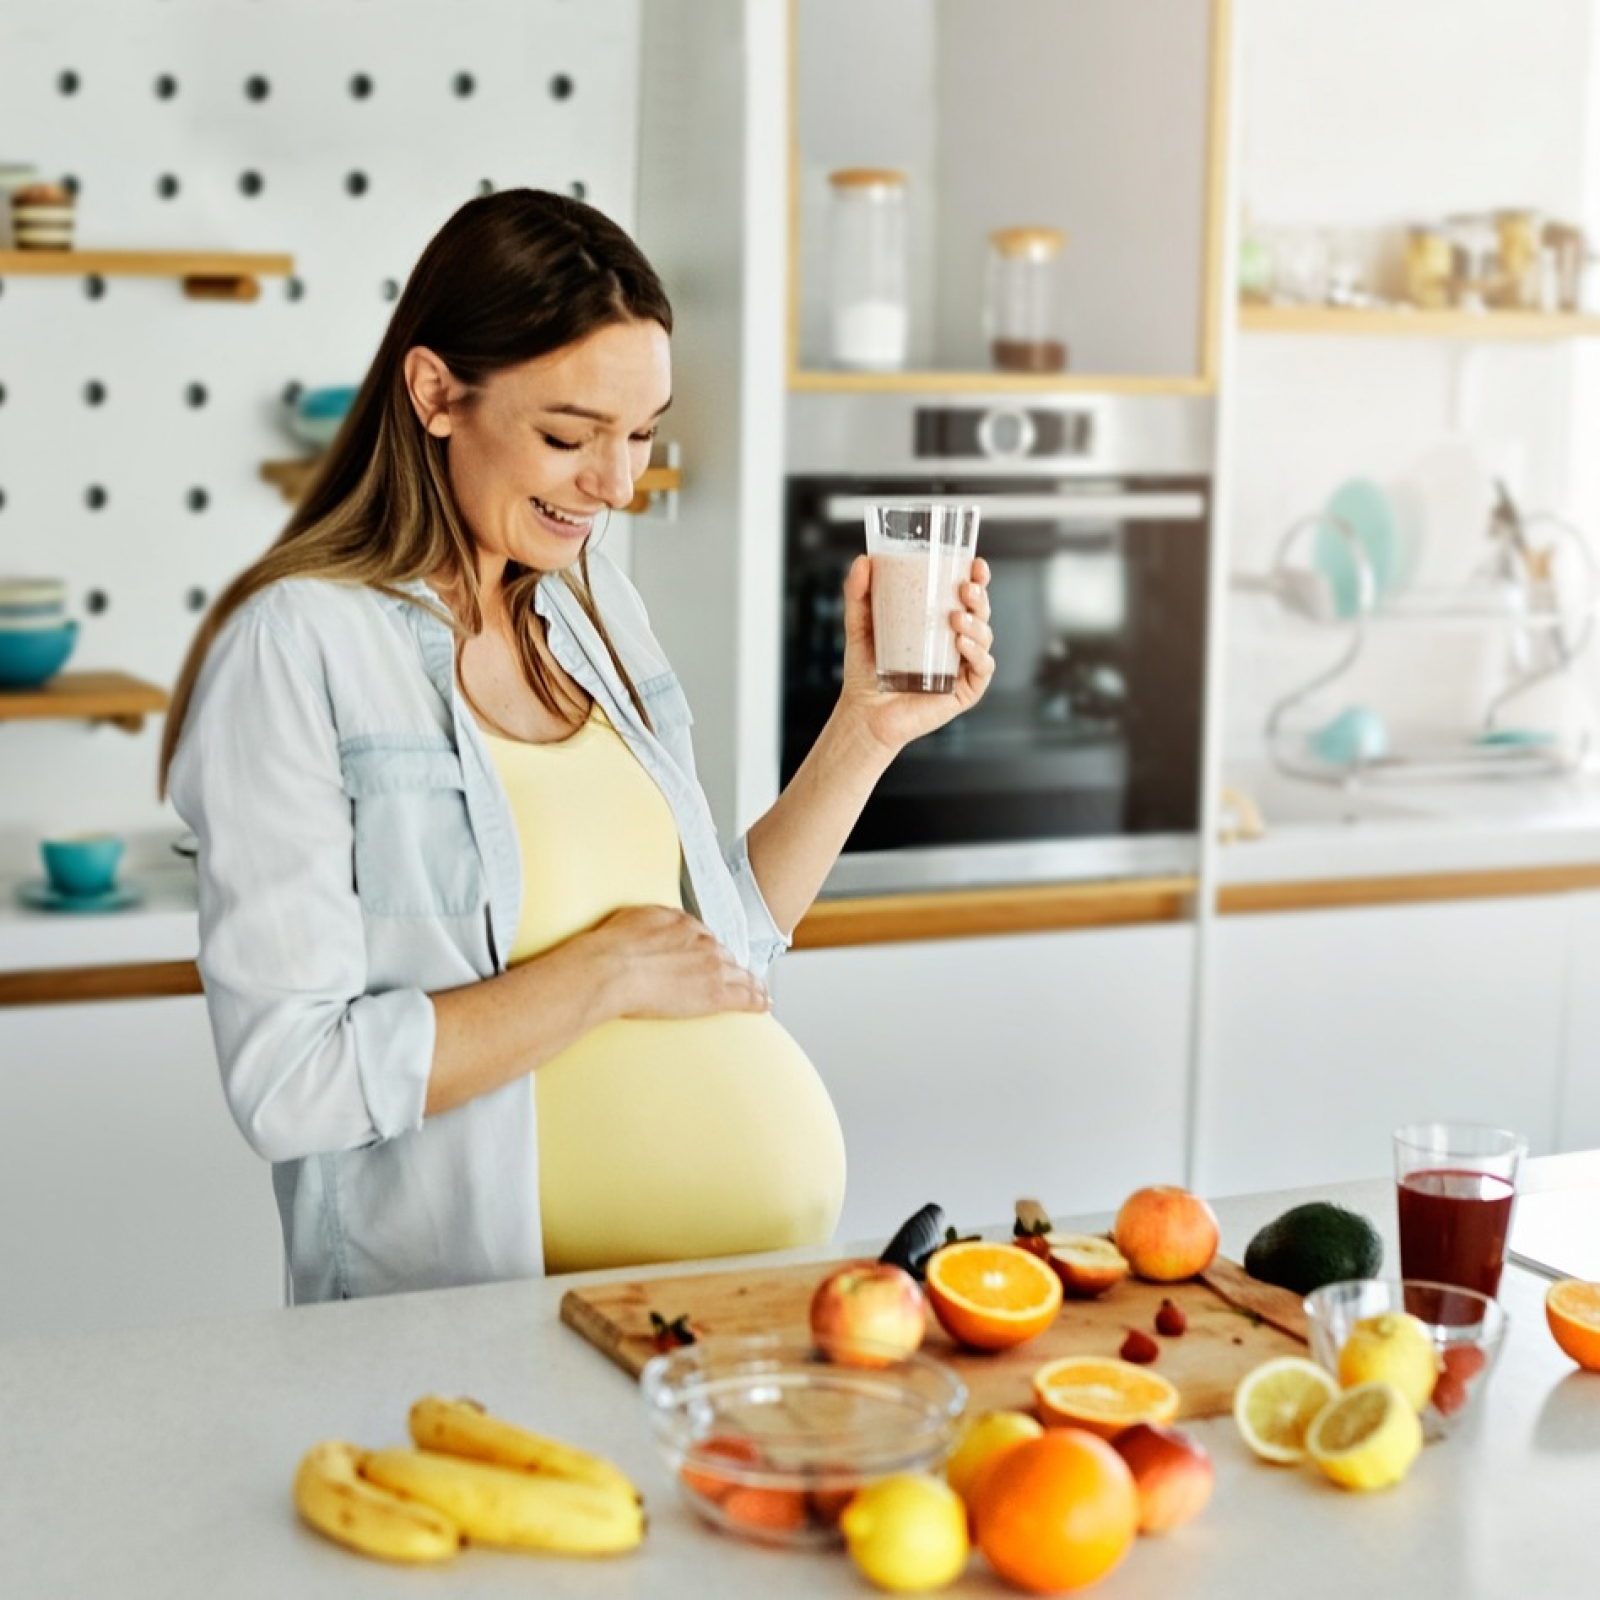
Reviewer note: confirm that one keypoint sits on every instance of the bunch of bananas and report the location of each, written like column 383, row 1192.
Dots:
column 470, row 1477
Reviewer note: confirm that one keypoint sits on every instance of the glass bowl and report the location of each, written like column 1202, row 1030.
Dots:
column 768, row 1438
column 1467, row 1329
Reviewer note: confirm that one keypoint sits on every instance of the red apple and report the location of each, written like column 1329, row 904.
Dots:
column 868, row 1314
column 1086, row 1263
column 1166, row 1233
column 1171, row 1471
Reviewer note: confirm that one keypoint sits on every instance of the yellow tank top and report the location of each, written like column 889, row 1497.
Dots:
column 663, row 1139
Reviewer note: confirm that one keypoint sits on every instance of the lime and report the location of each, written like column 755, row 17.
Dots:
column 1393, row 1347
column 907, row 1533
column 1314, row 1244
column 1275, row 1403
column 1367, row 1438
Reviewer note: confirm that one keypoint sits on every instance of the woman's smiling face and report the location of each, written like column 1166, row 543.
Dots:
column 539, row 450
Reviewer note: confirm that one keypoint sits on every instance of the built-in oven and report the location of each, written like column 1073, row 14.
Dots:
column 1084, row 757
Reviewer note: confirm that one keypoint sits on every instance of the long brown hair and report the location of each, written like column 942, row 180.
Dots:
column 510, row 277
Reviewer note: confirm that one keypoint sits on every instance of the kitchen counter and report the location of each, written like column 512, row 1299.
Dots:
column 159, row 1463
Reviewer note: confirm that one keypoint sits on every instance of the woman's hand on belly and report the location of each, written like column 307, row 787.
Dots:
column 666, row 963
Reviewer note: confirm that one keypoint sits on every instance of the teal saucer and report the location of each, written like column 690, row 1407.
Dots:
column 43, row 897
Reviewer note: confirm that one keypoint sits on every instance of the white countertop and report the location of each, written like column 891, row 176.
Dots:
column 158, row 1463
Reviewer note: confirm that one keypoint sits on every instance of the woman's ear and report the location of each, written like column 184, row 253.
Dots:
column 431, row 387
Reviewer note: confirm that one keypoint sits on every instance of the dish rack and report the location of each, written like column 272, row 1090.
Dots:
column 1515, row 588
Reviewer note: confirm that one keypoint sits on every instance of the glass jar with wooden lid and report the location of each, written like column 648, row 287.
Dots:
column 869, row 314
column 1024, row 301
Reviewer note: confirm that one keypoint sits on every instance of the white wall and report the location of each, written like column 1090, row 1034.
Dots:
column 421, row 147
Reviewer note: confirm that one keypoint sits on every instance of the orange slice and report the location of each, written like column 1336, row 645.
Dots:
column 1102, row 1394
column 1572, row 1308
column 990, row 1295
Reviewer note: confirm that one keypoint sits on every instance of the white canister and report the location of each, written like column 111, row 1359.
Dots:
column 869, row 314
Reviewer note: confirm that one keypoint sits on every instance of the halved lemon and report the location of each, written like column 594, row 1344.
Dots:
column 1275, row 1403
column 1572, row 1309
column 991, row 1296
column 1103, row 1394
column 1367, row 1438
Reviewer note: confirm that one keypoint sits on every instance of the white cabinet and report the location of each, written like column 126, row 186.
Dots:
column 974, row 1071
column 1579, row 1099
column 1329, row 1027
column 127, row 1195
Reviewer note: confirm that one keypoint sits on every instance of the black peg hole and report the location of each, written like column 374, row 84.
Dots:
column 96, row 601
column 94, row 393
column 292, row 392
column 294, row 289
column 95, row 497
column 578, row 189
column 195, row 395
column 166, row 186
column 197, row 499
column 360, row 86
column 463, row 84
column 71, row 185
column 166, row 86
column 94, row 286
column 561, row 87
column 195, row 599
column 390, row 290
column 251, row 184
column 68, row 82
column 355, row 183
column 256, row 88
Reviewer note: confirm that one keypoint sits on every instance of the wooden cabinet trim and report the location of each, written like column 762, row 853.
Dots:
column 47, row 986
column 1246, row 899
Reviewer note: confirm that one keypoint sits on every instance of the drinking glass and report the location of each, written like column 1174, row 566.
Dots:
column 921, row 555
column 1456, row 1182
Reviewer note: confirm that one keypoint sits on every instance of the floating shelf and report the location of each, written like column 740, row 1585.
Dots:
column 112, row 697
column 292, row 476
column 206, row 274
column 976, row 382
column 1401, row 322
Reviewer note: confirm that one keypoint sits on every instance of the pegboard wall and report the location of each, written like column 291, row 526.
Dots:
column 134, row 421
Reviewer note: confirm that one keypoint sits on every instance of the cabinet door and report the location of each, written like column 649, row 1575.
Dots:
column 1329, row 1027
column 975, row 1071
column 1578, row 1117
column 127, row 1195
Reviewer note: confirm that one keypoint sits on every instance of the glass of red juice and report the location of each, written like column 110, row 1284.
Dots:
column 1456, row 1182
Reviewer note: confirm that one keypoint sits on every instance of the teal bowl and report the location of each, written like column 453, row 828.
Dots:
column 31, row 656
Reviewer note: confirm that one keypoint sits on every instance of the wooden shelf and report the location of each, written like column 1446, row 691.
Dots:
column 205, row 274
column 1408, row 323
column 112, row 697
column 976, row 382
column 292, row 476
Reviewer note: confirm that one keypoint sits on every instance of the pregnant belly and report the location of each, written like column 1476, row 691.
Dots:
column 665, row 1140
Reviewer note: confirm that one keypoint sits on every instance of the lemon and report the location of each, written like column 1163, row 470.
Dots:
column 1274, row 1404
column 907, row 1533
column 980, row 1438
column 1367, row 1438
column 1393, row 1347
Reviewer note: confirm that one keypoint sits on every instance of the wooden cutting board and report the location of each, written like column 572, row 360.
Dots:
column 1235, row 1322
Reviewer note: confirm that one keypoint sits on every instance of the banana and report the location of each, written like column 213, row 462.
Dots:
column 464, row 1428
column 336, row 1500
column 506, row 1506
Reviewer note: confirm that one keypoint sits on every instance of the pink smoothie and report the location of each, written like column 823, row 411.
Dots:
column 913, row 594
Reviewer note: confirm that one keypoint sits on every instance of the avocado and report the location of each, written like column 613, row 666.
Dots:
column 1314, row 1244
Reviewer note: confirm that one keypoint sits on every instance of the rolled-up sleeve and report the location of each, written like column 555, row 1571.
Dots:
column 311, row 1062
column 767, row 940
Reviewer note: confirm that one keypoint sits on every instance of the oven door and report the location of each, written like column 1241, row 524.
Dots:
column 1084, row 756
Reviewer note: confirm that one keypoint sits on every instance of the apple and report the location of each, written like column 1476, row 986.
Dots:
column 1166, row 1233
column 1171, row 1471
column 868, row 1314
column 1086, row 1263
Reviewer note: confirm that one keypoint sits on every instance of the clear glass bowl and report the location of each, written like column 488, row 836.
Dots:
column 1467, row 1329
column 768, row 1438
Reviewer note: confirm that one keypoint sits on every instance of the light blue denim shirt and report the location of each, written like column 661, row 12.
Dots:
column 357, row 853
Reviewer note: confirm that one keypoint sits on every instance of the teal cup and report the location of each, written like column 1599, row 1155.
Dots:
column 84, row 864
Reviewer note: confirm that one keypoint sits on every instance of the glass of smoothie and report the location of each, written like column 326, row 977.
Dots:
column 921, row 555
column 1456, row 1182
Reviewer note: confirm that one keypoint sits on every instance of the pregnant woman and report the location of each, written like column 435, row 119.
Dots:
column 485, row 988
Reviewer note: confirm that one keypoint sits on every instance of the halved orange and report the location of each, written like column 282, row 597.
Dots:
column 991, row 1295
column 1572, row 1308
column 1102, row 1393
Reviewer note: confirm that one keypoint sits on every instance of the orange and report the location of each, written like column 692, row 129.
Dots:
column 990, row 1295
column 1572, row 1308
column 710, row 1484
column 1057, row 1512
column 1102, row 1394
column 775, row 1510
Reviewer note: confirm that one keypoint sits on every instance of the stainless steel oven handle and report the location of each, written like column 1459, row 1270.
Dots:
column 1035, row 507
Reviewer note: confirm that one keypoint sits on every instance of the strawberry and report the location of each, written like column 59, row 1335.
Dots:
column 1170, row 1319
column 670, row 1335
column 1139, row 1347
